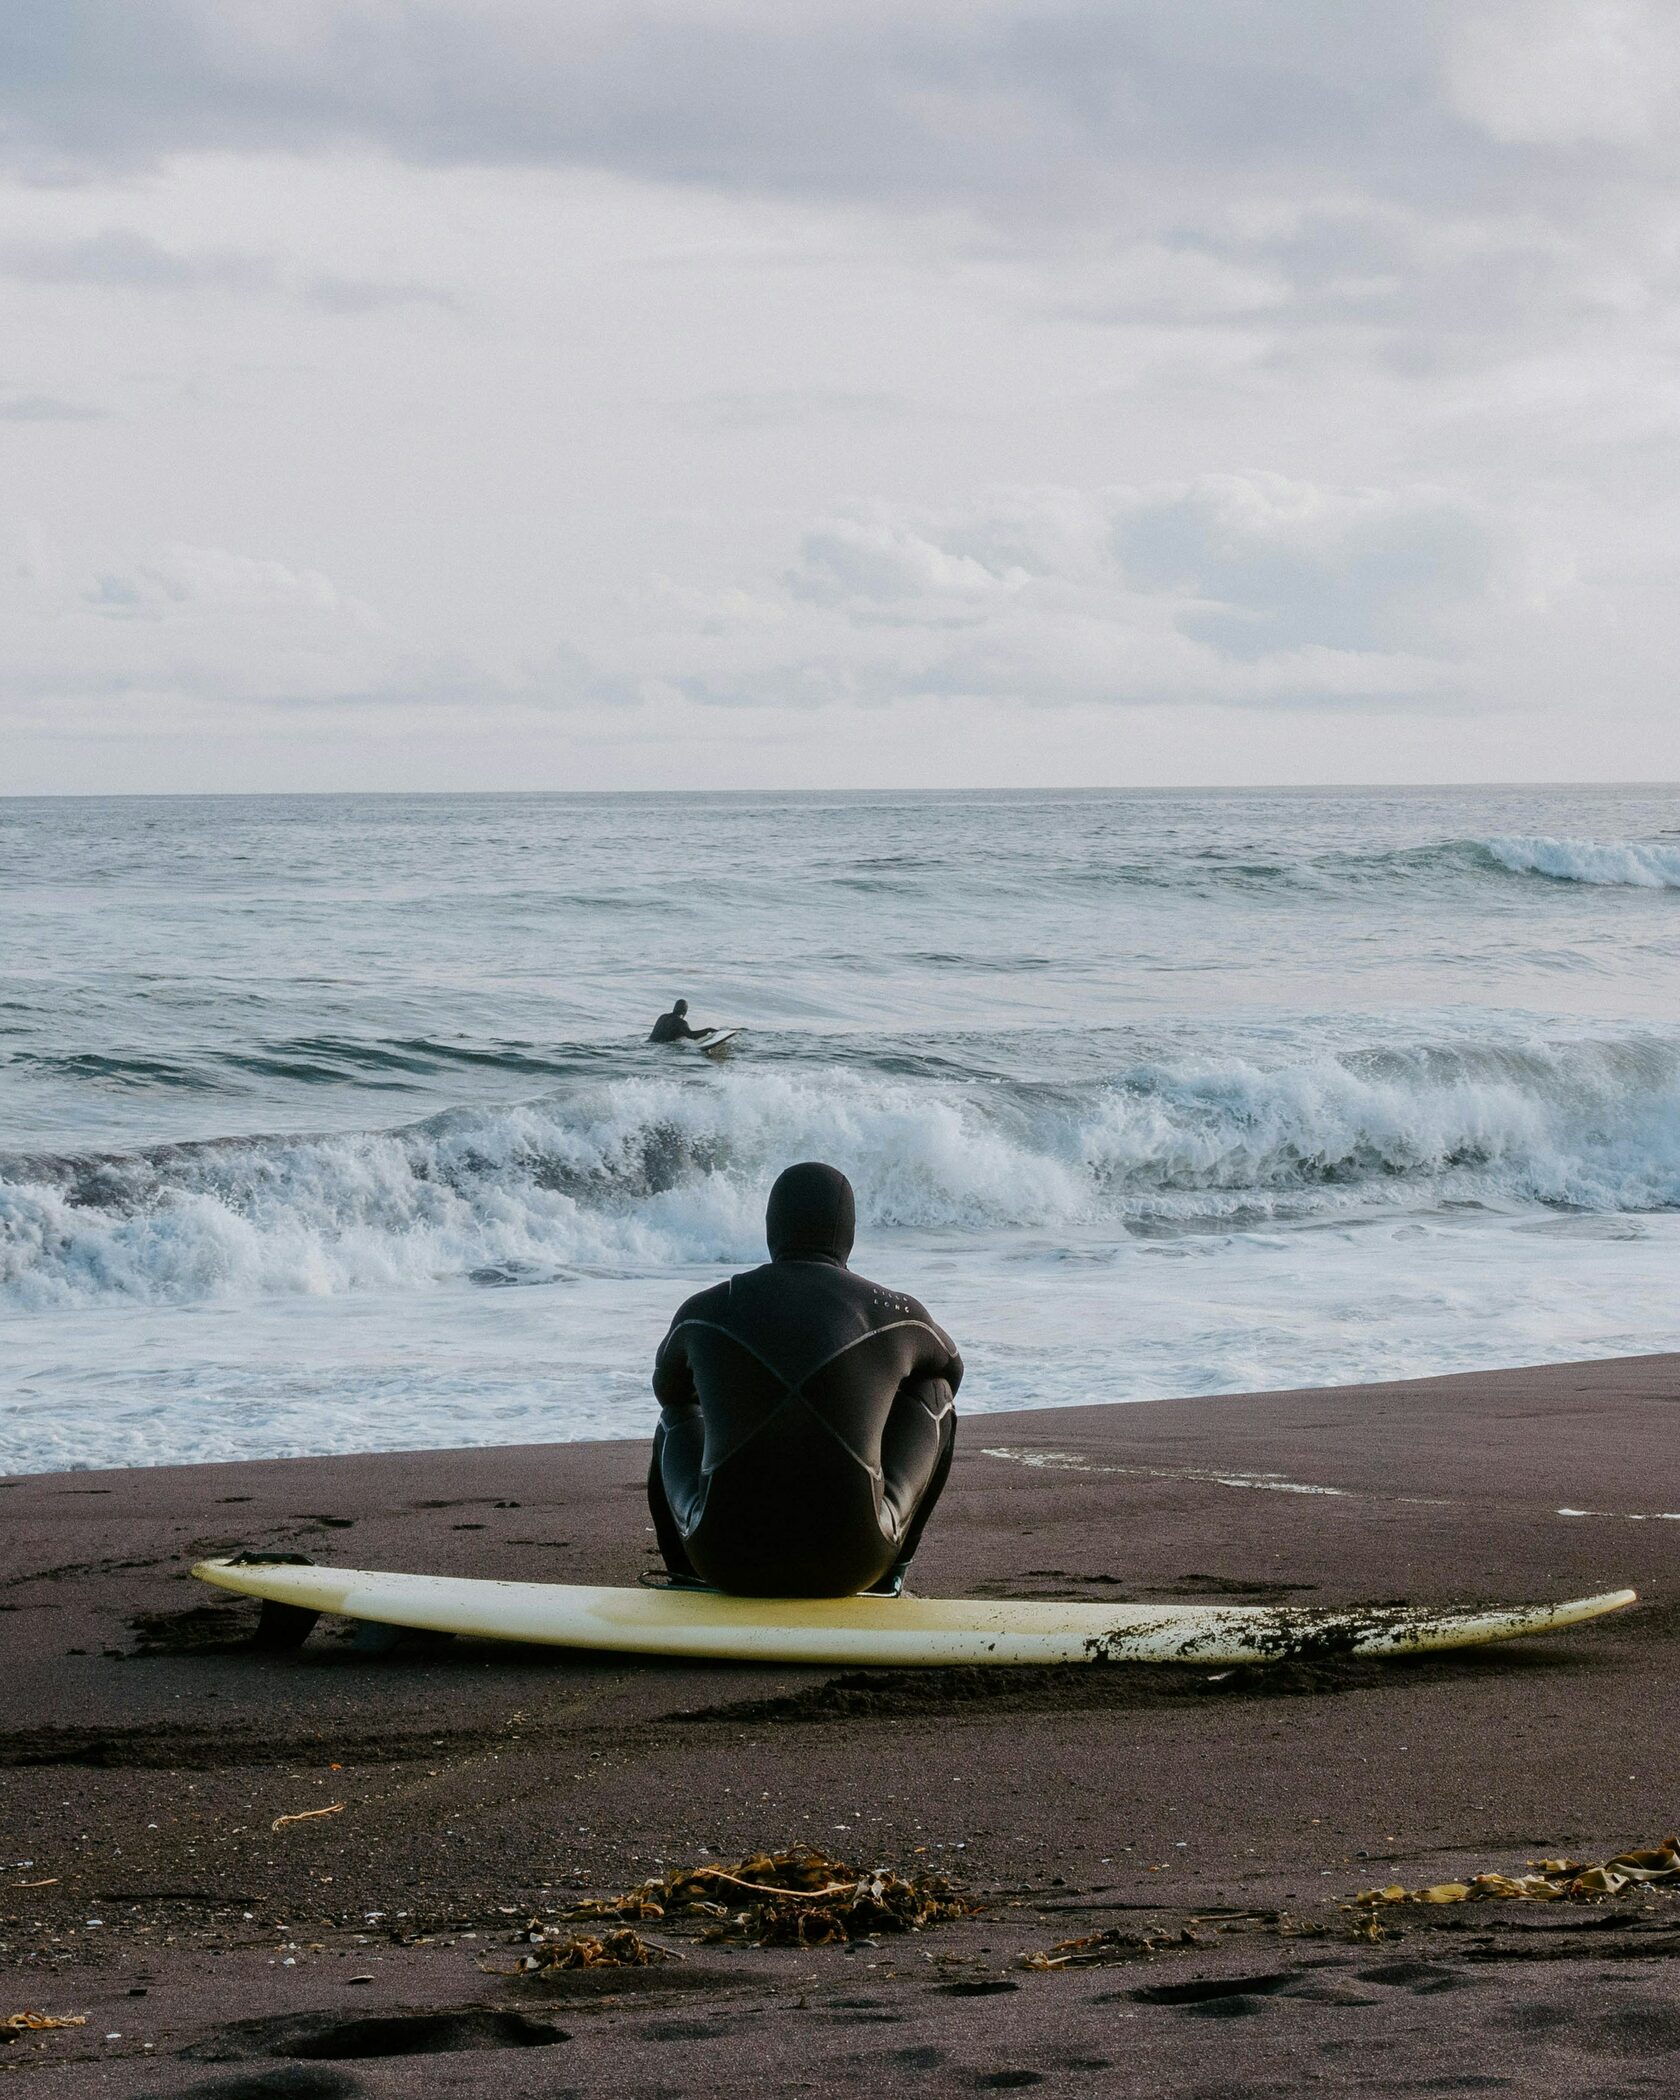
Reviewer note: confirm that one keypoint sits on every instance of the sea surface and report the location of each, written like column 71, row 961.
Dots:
column 328, row 1123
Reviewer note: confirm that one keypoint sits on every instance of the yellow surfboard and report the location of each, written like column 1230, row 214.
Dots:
column 851, row 1631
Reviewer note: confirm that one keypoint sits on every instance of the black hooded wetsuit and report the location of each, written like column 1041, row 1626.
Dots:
column 673, row 1027
column 806, row 1419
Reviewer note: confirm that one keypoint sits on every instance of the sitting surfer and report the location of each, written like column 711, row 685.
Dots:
column 806, row 1422
column 673, row 1027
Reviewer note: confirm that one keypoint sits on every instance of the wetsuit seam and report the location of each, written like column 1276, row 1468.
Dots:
column 789, row 1396
column 792, row 1390
column 788, row 1385
column 856, row 1456
column 708, row 1472
column 857, row 1340
column 797, row 1385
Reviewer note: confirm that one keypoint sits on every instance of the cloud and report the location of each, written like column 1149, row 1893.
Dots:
column 46, row 408
column 1274, row 565
column 1243, row 590
column 179, row 619
column 1021, row 105
column 133, row 260
column 184, row 582
column 191, row 627
column 777, row 407
column 1301, row 171
column 1154, row 281
column 123, row 259
column 1240, row 591
column 1567, row 72
column 334, row 294
column 1041, row 277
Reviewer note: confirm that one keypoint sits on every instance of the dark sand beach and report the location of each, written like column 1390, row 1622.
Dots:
column 145, row 1755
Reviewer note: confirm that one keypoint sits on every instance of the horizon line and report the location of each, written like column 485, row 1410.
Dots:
column 1278, row 787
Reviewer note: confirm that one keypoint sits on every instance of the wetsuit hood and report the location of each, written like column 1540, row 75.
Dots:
column 812, row 1215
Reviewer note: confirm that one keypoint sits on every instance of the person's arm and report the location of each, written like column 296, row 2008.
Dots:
column 937, row 1369
column 673, row 1374
column 939, row 1358
column 916, row 1439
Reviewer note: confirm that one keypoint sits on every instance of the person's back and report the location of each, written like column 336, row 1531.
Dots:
column 806, row 1417
column 673, row 1027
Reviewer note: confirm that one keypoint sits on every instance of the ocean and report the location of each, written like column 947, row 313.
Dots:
column 328, row 1123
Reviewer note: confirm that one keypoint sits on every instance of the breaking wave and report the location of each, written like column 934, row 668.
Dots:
column 646, row 1173
column 1614, row 863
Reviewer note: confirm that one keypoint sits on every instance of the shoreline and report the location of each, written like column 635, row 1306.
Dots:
column 482, row 1786
column 973, row 1418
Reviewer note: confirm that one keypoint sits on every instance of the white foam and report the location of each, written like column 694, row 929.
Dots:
column 1071, row 1462
column 648, row 1173
column 1613, row 863
column 130, row 1383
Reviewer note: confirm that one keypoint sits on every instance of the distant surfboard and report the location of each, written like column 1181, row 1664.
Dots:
column 847, row 1631
column 718, row 1045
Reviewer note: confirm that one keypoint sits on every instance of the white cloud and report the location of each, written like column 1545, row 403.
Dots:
column 883, row 561
column 1241, row 590
column 1151, row 280
column 1275, row 565
column 179, row 629
column 1093, row 362
column 45, row 408
column 118, row 257
column 1567, row 72
column 1027, row 105
column 180, row 620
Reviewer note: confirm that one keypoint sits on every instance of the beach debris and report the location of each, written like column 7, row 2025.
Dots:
column 27, row 2022
column 1118, row 1943
column 308, row 1815
column 796, row 1898
column 1551, row 1881
column 201, row 1629
column 1112, row 1944
column 624, row 1948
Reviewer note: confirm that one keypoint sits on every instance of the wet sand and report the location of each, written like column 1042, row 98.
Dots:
column 145, row 1754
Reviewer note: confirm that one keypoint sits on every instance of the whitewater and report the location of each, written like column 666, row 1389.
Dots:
column 328, row 1123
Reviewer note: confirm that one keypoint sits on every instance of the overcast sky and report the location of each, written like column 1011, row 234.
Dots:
column 736, row 393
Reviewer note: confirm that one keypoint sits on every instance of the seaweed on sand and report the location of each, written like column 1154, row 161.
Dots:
column 1552, row 1881
column 796, row 1898
column 624, row 1948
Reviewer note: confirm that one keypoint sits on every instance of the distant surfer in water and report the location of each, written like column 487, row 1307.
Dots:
column 673, row 1027
column 806, row 1417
